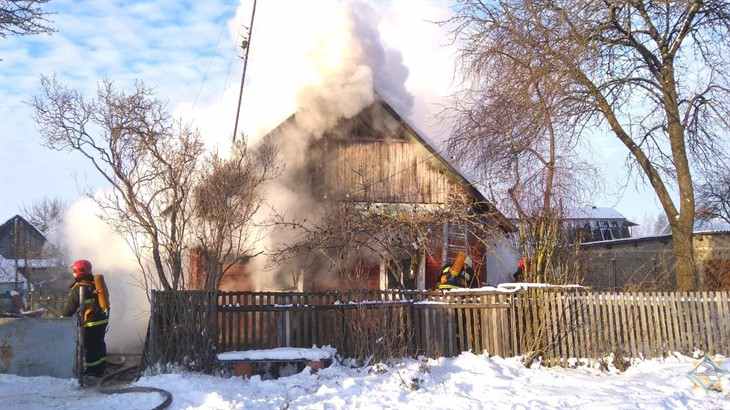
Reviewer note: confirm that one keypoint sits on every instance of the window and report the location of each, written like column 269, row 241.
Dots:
column 605, row 230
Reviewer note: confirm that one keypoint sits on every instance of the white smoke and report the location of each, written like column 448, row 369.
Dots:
column 324, row 61
column 308, row 53
column 88, row 237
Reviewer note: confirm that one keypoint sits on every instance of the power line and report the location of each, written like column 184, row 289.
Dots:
column 247, row 44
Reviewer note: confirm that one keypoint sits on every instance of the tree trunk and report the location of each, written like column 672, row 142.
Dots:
column 684, row 255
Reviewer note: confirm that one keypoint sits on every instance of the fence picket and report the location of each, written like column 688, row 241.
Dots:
column 707, row 324
column 724, row 315
column 655, row 321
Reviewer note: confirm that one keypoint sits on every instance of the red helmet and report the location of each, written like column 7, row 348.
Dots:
column 80, row 268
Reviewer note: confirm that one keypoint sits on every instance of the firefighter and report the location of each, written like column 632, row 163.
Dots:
column 458, row 274
column 93, row 318
column 519, row 274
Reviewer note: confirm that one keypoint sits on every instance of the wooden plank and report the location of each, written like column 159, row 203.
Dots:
column 667, row 315
column 460, row 329
column 610, row 304
column 667, row 323
column 695, row 320
column 661, row 324
column 430, row 333
column 495, row 327
column 478, row 343
column 645, row 339
column 707, row 324
column 680, row 336
column 653, row 324
column 686, row 324
column 595, row 315
column 483, row 328
column 724, row 318
column 507, row 347
column 520, row 316
column 569, row 307
column 535, row 319
column 562, row 326
column 623, row 329
column 556, row 332
column 580, row 341
column 513, row 326
column 588, row 325
column 451, row 332
column 603, row 329
column 469, row 331
column 651, row 338
column 688, row 321
column 629, row 324
column 546, row 323
column 504, row 349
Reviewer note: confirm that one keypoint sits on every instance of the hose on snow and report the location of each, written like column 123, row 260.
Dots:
column 103, row 387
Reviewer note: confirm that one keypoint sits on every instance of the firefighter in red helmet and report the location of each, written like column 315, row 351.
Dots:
column 93, row 318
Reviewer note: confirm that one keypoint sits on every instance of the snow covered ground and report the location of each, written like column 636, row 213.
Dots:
column 466, row 382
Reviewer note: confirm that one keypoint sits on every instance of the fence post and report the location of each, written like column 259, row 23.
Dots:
column 287, row 328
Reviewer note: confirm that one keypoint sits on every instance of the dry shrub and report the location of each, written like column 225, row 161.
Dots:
column 377, row 333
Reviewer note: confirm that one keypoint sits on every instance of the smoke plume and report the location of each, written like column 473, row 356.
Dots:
column 88, row 237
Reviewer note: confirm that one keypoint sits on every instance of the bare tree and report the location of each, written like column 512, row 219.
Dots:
column 654, row 73
column 713, row 197
column 509, row 135
column 227, row 197
column 46, row 214
column 147, row 158
column 23, row 17
column 345, row 232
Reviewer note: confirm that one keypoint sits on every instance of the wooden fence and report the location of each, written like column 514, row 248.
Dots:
column 641, row 324
column 52, row 302
column 557, row 324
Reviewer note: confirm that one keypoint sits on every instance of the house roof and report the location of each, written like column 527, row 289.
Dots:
column 484, row 205
column 596, row 213
column 665, row 237
column 7, row 225
column 593, row 212
column 7, row 229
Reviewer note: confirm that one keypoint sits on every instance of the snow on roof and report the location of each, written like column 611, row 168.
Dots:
column 653, row 237
column 593, row 212
column 281, row 353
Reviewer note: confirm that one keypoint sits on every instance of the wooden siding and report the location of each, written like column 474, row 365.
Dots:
column 387, row 171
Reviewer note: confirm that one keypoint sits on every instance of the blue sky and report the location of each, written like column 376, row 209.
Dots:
column 171, row 45
column 187, row 51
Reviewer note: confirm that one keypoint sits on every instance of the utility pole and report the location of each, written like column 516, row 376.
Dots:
column 245, row 44
column 15, row 251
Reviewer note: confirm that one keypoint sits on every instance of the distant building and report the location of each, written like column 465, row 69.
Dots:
column 25, row 250
column 593, row 224
column 647, row 263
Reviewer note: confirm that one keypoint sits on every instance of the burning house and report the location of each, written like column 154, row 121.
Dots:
column 371, row 167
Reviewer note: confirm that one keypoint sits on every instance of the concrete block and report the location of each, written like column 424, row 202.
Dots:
column 38, row 347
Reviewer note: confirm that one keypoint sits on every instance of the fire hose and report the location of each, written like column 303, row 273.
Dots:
column 102, row 387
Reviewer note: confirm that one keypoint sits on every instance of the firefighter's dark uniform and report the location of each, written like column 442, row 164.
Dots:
column 94, row 322
column 462, row 279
